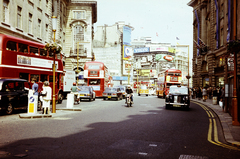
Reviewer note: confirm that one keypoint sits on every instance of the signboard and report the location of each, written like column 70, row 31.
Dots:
column 158, row 48
column 119, row 78
column 126, row 35
column 164, row 57
column 127, row 52
column 140, row 50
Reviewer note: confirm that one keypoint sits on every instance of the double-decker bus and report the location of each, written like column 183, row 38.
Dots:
column 166, row 79
column 96, row 75
column 24, row 59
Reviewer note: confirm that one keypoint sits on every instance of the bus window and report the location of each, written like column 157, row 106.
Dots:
column 43, row 78
column 94, row 81
column 23, row 76
column 34, row 50
column 23, row 48
column 12, row 46
column 50, row 54
column 43, row 52
column 50, row 78
column 177, row 74
column 34, row 76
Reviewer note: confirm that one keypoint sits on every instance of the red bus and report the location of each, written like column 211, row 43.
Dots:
column 96, row 75
column 166, row 79
column 24, row 59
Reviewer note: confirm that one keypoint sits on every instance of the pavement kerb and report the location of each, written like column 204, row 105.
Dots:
column 224, row 123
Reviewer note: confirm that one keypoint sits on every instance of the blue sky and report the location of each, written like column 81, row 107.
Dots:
column 167, row 18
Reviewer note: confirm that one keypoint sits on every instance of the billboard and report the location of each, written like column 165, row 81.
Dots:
column 127, row 52
column 164, row 58
column 140, row 50
column 126, row 35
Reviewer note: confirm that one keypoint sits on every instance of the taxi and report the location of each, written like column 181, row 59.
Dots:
column 143, row 90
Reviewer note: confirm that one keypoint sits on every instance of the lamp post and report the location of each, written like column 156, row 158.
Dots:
column 77, row 60
column 54, row 28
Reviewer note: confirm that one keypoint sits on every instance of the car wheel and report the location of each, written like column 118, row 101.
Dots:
column 89, row 99
column 167, row 106
column 60, row 98
column 9, row 109
column 138, row 94
column 104, row 98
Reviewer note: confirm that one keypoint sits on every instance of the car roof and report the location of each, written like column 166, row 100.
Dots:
column 178, row 86
column 12, row 79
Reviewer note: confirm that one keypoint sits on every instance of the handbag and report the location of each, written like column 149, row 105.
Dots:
column 43, row 94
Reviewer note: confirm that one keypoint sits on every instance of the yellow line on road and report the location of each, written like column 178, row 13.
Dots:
column 212, row 130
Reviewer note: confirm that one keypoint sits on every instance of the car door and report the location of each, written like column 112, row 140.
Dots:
column 21, row 93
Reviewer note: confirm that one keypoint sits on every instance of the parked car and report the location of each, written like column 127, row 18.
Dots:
column 13, row 94
column 123, row 90
column 178, row 97
column 86, row 93
column 112, row 92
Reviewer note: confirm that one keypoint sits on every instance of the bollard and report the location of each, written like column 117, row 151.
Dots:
column 32, row 102
column 70, row 100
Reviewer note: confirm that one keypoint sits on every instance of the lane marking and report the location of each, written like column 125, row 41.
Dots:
column 212, row 129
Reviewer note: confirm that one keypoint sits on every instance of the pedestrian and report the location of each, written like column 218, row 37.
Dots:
column 35, row 86
column 204, row 94
column 74, row 90
column 210, row 92
column 46, row 97
column 218, row 94
column 222, row 96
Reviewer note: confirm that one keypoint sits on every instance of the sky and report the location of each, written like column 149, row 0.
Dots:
column 163, row 20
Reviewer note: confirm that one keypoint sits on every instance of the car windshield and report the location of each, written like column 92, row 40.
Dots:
column 180, row 90
column 83, row 88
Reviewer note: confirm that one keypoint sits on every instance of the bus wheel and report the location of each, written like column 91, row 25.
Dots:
column 60, row 98
column 9, row 109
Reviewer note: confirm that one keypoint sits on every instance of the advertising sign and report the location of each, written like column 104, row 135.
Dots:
column 164, row 57
column 126, row 35
column 127, row 52
column 140, row 50
column 126, row 68
column 158, row 48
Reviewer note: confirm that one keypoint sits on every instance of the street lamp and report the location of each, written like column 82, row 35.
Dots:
column 54, row 28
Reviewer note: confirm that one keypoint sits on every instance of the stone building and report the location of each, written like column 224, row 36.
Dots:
column 32, row 20
column 214, row 26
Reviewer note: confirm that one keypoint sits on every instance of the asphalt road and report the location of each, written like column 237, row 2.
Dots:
column 109, row 129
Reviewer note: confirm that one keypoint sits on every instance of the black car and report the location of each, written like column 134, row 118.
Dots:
column 86, row 93
column 178, row 97
column 112, row 92
column 13, row 94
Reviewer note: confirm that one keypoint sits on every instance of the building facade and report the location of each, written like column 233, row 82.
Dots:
column 214, row 26
column 32, row 20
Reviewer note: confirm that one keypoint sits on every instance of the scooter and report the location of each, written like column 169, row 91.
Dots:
column 129, row 101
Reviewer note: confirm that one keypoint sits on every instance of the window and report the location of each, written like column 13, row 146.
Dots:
column 43, row 77
column 79, row 14
column 23, row 48
column 43, row 52
column 19, row 86
column 30, row 23
column 19, row 17
column 5, row 11
column 78, row 36
column 12, row 46
column 23, row 76
column 221, row 37
column 33, row 50
column 32, row 76
column 39, row 28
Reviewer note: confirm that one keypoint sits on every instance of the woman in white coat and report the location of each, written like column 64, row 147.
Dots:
column 46, row 97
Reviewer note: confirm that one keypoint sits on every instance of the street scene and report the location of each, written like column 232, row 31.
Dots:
column 110, row 129
column 119, row 79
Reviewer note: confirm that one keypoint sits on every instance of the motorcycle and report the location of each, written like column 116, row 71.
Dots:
column 129, row 101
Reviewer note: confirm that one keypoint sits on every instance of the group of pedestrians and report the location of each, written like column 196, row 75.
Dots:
column 208, row 93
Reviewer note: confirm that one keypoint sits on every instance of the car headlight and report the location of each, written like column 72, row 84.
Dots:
column 186, row 97
column 167, row 96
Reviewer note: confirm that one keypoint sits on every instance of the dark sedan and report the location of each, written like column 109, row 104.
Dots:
column 13, row 95
column 112, row 92
column 178, row 97
column 86, row 93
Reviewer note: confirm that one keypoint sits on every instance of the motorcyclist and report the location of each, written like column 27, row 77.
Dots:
column 129, row 91
column 74, row 90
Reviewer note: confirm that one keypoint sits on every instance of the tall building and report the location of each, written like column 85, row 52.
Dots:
column 215, row 62
column 32, row 20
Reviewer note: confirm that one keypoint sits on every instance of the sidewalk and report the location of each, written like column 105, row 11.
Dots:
column 231, row 133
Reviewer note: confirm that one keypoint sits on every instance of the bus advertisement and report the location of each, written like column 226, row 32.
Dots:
column 166, row 79
column 96, row 75
column 24, row 59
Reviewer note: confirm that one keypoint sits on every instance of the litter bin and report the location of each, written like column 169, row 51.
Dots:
column 32, row 102
column 70, row 100
column 214, row 100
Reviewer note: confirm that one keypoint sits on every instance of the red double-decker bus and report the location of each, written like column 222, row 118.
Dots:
column 166, row 79
column 96, row 75
column 20, row 58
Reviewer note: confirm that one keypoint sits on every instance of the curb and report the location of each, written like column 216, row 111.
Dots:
column 33, row 116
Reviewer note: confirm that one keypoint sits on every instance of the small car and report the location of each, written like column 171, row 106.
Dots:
column 123, row 90
column 143, row 90
column 13, row 94
column 178, row 97
column 112, row 92
column 86, row 93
